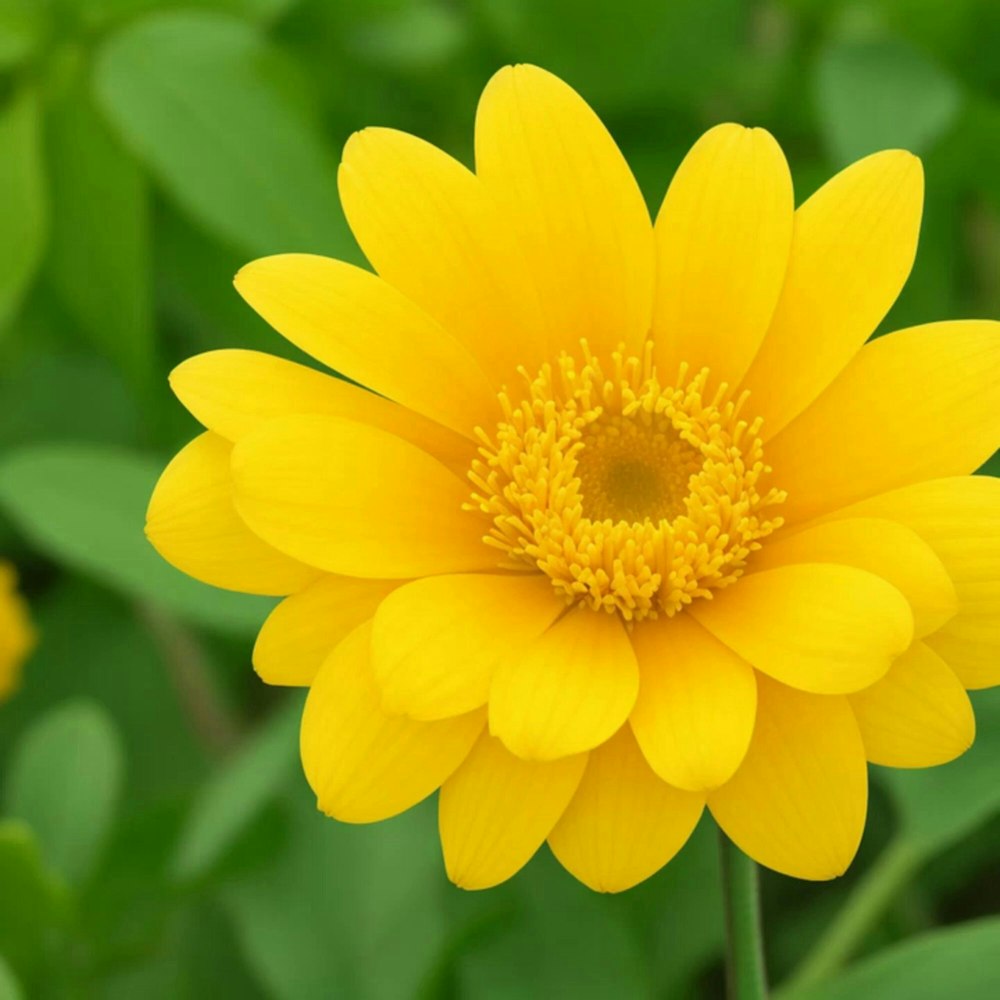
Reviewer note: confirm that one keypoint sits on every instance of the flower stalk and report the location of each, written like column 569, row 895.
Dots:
column 746, row 977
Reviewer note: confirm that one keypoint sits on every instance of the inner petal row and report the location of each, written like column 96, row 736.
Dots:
column 632, row 496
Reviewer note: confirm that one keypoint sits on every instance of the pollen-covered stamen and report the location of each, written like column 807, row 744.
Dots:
column 633, row 497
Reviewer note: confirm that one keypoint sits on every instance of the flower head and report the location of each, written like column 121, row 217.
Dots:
column 16, row 634
column 632, row 521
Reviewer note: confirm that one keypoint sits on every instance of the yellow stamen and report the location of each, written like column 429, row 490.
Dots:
column 633, row 497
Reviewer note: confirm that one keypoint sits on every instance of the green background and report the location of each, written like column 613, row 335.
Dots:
column 157, row 839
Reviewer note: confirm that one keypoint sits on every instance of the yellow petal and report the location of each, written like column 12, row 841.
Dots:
column 960, row 519
column 365, row 765
column 914, row 405
column 798, row 802
column 722, row 238
column 233, row 392
column 567, row 193
column 624, row 824
column 303, row 629
column 886, row 548
column 853, row 245
column 355, row 500
column 696, row 706
column 436, row 642
column 496, row 810
column 17, row 636
column 193, row 524
column 430, row 228
column 918, row 715
column 816, row 626
column 361, row 326
column 567, row 692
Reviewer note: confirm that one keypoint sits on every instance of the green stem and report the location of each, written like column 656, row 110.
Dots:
column 745, row 974
column 856, row 918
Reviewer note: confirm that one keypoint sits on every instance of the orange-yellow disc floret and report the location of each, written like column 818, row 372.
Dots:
column 632, row 496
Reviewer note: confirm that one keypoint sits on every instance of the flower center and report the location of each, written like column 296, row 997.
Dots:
column 630, row 470
column 632, row 496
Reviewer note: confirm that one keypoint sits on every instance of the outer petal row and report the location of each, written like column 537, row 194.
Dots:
column 722, row 238
column 853, row 245
column 193, row 524
column 918, row 404
column 358, row 324
column 349, row 498
column 234, row 392
column 566, row 192
column 798, row 802
column 918, row 715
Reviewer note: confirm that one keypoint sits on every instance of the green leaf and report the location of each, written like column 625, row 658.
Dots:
column 85, row 505
column 680, row 911
column 33, row 394
column 101, row 13
column 683, row 51
column 939, row 805
column 99, row 255
column 881, row 95
column 65, row 781
column 210, row 108
column 195, row 273
column 93, row 646
column 570, row 942
column 32, row 900
column 22, row 200
column 325, row 917
column 22, row 26
column 10, row 988
column 235, row 795
column 956, row 962
column 413, row 39
column 196, row 957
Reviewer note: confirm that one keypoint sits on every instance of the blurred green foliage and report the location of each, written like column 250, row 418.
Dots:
column 156, row 837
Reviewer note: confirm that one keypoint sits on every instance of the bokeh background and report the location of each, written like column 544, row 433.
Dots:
column 157, row 839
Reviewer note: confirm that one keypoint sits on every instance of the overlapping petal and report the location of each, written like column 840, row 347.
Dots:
column 352, row 499
column 960, row 519
column 919, row 404
column 363, row 764
column 436, row 642
column 697, row 702
column 853, row 246
column 918, row 715
column 193, row 524
column 304, row 628
column 815, row 626
column 361, row 326
column 723, row 236
column 496, row 810
column 234, row 392
column 568, row 691
column 571, row 200
column 798, row 802
column 886, row 548
column 431, row 229
column 624, row 823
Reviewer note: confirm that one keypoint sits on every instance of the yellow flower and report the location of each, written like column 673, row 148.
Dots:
column 16, row 634
column 632, row 521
